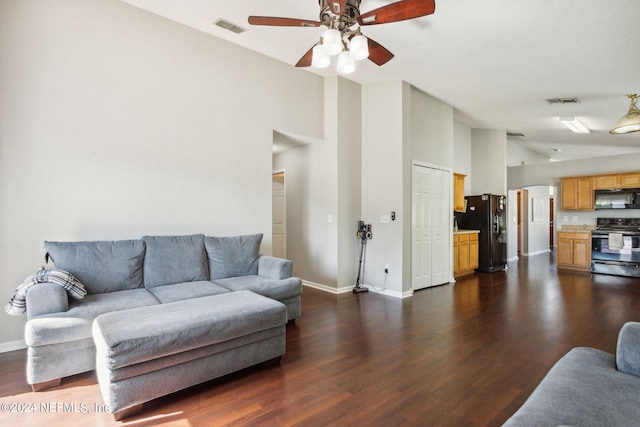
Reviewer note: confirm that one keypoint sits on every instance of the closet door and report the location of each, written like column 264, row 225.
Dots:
column 431, row 234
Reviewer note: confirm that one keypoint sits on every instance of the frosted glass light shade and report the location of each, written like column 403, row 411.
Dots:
column 359, row 47
column 630, row 122
column 345, row 63
column 332, row 42
column 319, row 57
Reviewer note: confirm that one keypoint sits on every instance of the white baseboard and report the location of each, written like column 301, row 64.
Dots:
column 326, row 288
column 513, row 258
column 545, row 251
column 6, row 347
column 387, row 292
column 347, row 289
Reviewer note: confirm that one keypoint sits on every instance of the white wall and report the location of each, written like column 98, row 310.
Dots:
column 489, row 167
column 323, row 180
column 383, row 147
column 550, row 173
column 462, row 154
column 400, row 124
column 349, row 180
column 432, row 130
column 517, row 155
column 118, row 123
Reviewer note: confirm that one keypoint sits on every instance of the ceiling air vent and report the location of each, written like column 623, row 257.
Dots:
column 515, row 134
column 563, row 101
column 229, row 26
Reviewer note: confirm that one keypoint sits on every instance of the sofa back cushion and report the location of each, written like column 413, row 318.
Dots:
column 233, row 256
column 103, row 266
column 174, row 259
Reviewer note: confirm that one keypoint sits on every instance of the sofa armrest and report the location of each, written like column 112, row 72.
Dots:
column 45, row 298
column 274, row 268
column 628, row 349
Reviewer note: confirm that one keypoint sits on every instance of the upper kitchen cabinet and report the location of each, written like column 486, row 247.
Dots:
column 577, row 193
column 629, row 180
column 458, row 192
column 606, row 182
column 614, row 181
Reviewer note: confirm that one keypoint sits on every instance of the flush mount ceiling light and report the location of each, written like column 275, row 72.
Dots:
column 574, row 125
column 630, row 122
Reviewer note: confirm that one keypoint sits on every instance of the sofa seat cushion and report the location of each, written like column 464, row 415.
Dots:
column 582, row 389
column 233, row 256
column 278, row 289
column 75, row 323
column 142, row 334
column 174, row 259
column 187, row 290
column 102, row 266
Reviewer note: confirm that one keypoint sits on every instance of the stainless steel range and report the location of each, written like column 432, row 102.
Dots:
column 615, row 247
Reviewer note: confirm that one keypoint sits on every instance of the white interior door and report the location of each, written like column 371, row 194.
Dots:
column 431, row 219
column 278, row 215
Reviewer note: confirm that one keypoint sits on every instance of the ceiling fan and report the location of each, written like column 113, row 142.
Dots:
column 343, row 36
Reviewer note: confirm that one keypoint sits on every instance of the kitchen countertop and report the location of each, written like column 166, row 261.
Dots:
column 466, row 231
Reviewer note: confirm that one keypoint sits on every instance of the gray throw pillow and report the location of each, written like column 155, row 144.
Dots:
column 103, row 266
column 174, row 259
column 233, row 256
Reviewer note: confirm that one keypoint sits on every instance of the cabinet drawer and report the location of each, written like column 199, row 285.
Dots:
column 463, row 237
column 574, row 235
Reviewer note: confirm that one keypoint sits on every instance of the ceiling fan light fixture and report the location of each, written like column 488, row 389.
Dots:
column 359, row 48
column 574, row 125
column 630, row 122
column 332, row 42
column 346, row 65
column 320, row 58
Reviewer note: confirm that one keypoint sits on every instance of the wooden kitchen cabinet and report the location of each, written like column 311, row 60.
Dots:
column 577, row 193
column 629, row 180
column 611, row 182
column 465, row 252
column 606, row 182
column 458, row 192
column 574, row 250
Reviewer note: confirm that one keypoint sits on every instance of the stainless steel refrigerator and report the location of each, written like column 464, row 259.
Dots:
column 487, row 214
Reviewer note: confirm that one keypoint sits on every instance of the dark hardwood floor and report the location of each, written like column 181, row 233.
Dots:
column 467, row 354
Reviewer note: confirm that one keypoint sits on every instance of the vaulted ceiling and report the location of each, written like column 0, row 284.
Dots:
column 495, row 61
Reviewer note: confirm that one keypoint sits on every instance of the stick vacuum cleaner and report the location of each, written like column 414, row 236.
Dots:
column 364, row 234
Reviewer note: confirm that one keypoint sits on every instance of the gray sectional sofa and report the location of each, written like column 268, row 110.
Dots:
column 130, row 274
column 588, row 387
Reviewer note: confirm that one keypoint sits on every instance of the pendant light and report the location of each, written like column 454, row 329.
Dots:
column 630, row 122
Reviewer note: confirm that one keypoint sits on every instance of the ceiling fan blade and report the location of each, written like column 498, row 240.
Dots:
column 305, row 61
column 399, row 11
column 378, row 54
column 282, row 22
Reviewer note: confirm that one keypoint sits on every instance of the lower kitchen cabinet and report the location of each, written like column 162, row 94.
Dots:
column 574, row 250
column 465, row 252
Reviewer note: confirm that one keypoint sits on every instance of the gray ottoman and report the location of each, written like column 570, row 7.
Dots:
column 148, row 352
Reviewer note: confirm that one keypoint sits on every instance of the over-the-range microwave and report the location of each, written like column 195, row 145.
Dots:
column 627, row 198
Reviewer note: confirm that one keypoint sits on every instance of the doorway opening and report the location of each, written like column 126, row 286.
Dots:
column 279, row 214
